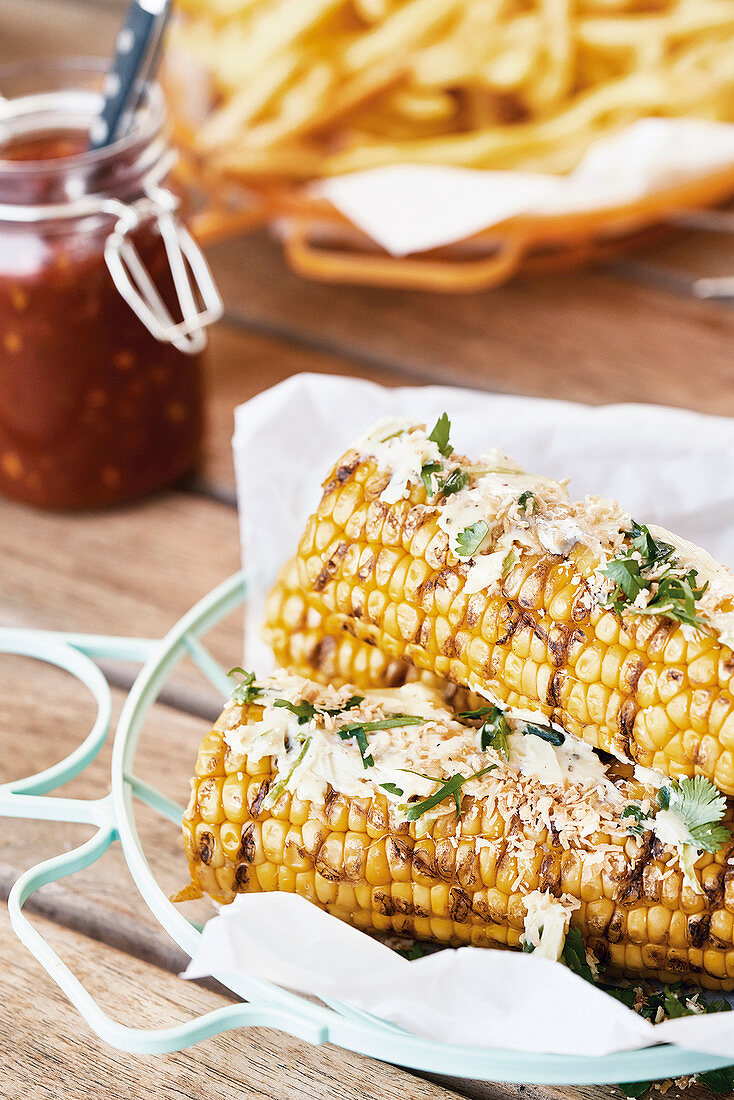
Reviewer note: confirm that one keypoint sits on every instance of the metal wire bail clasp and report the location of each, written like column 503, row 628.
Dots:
column 198, row 298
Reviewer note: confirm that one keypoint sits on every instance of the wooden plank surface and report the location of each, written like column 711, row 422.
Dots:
column 587, row 336
column 629, row 332
column 55, row 1055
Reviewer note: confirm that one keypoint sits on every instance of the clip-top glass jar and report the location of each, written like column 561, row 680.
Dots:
column 103, row 299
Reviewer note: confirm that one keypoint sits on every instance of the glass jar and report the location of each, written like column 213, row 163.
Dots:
column 103, row 299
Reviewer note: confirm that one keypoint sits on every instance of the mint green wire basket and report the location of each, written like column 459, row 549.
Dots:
column 263, row 1004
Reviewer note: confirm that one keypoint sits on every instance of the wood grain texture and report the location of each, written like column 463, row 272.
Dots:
column 586, row 336
column 239, row 364
column 130, row 571
column 50, row 1053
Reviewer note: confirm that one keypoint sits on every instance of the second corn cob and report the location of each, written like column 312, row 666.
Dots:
column 319, row 647
column 385, row 565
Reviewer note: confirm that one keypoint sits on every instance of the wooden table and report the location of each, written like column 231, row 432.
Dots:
column 632, row 332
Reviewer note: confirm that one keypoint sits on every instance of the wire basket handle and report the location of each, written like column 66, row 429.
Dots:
column 134, row 1040
column 71, row 652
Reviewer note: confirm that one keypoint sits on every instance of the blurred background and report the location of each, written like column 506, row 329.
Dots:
column 266, row 98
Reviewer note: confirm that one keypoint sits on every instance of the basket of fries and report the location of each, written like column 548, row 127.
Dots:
column 275, row 102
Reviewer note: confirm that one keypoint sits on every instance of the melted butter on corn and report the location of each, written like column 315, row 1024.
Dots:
column 565, row 787
column 401, row 448
column 449, row 877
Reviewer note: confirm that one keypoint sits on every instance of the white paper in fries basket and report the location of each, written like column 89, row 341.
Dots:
column 409, row 208
column 667, row 466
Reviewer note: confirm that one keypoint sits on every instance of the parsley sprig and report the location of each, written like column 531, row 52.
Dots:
column 574, row 955
column 700, row 805
column 246, row 691
column 528, row 502
column 440, row 435
column 306, row 712
column 433, row 474
column 647, row 565
column 454, row 481
column 429, row 478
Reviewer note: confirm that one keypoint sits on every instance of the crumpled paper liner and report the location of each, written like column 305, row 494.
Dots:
column 409, row 208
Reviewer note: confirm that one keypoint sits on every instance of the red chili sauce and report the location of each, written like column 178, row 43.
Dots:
column 93, row 409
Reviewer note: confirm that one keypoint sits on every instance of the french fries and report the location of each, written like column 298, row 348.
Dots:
column 302, row 89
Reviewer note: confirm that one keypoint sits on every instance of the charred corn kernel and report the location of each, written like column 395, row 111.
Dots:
column 312, row 645
column 628, row 686
column 462, row 882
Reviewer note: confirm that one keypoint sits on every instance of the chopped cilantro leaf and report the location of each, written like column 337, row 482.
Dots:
column 701, row 806
column 470, row 539
column 395, row 721
column 625, row 572
column 676, row 599
column 494, row 732
column 553, row 737
column 428, row 474
column 574, row 955
column 653, row 551
column 672, row 593
column 277, row 789
column 304, row 712
column 245, row 691
column 440, row 435
column 635, row 827
column 528, row 502
column 455, row 482
column 359, row 731
column 481, row 712
column 509, row 561
column 719, row 1080
column 392, row 788
column 528, row 948
column 353, row 730
column 415, row 951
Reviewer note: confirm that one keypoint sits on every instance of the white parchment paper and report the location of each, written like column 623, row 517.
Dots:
column 472, row 996
column 414, row 207
column 667, row 466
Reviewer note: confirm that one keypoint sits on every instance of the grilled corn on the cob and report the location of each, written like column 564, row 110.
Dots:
column 423, row 830
column 485, row 576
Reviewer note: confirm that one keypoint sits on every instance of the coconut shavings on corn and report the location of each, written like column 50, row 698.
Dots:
column 493, row 579
column 397, row 814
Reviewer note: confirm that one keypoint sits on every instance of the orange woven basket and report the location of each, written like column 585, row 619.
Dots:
column 320, row 243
